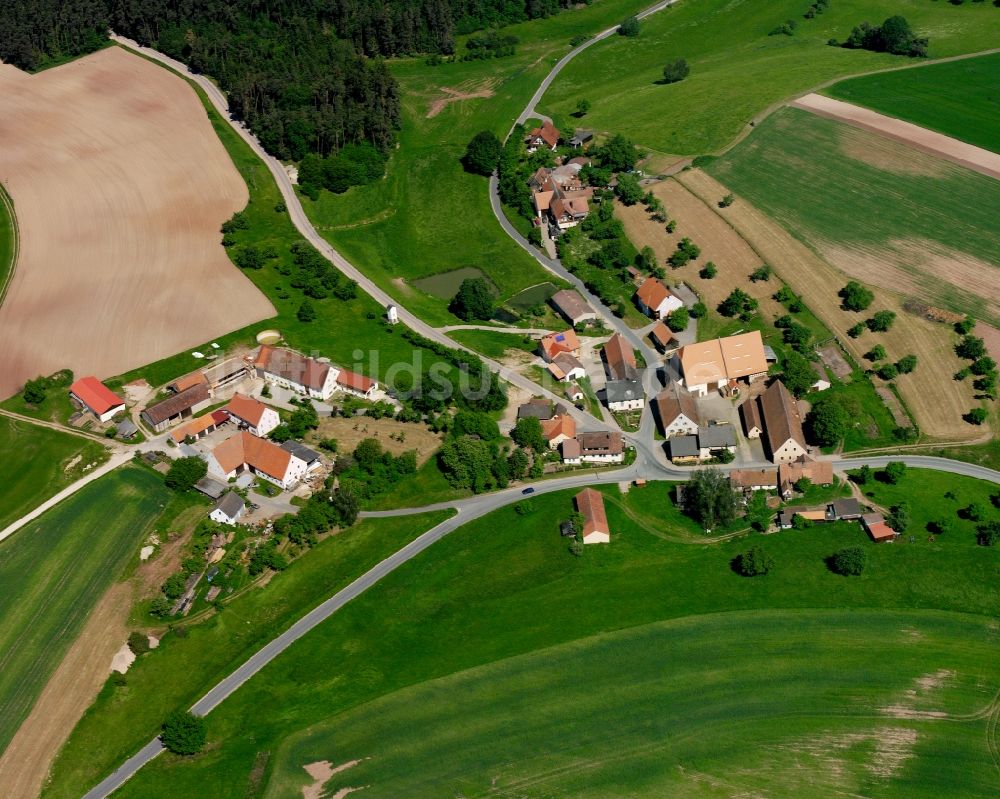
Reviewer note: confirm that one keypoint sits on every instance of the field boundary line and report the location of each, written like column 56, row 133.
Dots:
column 15, row 247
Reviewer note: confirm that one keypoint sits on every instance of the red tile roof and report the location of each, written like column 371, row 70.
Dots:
column 547, row 133
column 259, row 453
column 292, row 366
column 246, row 408
column 95, row 395
column 620, row 358
column 652, row 293
column 591, row 504
column 355, row 381
column 554, row 343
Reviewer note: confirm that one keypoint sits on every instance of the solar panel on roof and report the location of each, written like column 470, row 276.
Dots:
column 561, row 337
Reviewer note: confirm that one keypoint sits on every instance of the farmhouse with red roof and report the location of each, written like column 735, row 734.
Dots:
column 92, row 394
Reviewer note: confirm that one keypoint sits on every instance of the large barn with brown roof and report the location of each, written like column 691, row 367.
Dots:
column 590, row 504
column 778, row 412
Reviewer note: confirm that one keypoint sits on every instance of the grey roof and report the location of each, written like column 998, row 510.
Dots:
column 720, row 435
column 582, row 135
column 683, row 446
column 231, row 504
column 570, row 304
column 126, row 428
column 300, row 451
column 540, row 409
column 769, row 353
column 845, row 507
column 623, row 390
column 210, row 488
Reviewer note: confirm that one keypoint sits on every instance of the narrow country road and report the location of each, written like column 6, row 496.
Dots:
column 305, row 227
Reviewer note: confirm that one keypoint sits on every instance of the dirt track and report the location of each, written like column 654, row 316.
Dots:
column 958, row 152
column 67, row 694
column 120, row 185
column 936, row 400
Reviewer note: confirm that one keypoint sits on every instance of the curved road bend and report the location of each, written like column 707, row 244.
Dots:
column 305, row 227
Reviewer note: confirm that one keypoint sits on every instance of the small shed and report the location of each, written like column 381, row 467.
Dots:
column 228, row 510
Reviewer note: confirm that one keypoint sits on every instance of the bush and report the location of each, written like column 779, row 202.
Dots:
column 686, row 252
column 726, row 201
column 306, row 312
column 185, row 472
column 34, row 391
column 698, row 310
column 881, row 321
column 827, row 420
column 474, row 300
column 976, row 416
column 850, row 561
column 855, row 297
column 876, row 353
column 138, row 643
column 761, row 273
column 988, row 535
column 754, row 562
column 888, row 371
column 856, row 330
column 675, row 71
column 894, row 472
column 183, row 733
column 630, row 26
column 708, row 271
column 482, row 153
column 906, row 364
column 678, row 320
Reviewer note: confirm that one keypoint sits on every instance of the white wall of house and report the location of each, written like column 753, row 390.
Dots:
column 602, row 458
column 680, row 426
column 362, row 394
column 576, row 373
column 217, row 515
column 554, row 443
column 628, row 405
column 754, row 432
column 789, row 451
column 668, row 306
column 708, row 452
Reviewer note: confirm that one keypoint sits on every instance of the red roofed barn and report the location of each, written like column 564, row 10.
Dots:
column 97, row 398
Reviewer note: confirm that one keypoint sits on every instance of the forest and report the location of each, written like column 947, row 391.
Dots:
column 305, row 75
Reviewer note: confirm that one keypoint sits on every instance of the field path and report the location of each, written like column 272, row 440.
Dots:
column 928, row 141
column 68, row 693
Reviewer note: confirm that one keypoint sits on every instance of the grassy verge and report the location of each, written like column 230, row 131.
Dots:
column 737, row 69
column 186, row 664
column 957, row 98
column 424, row 487
column 8, row 241
column 494, row 345
column 54, row 571
column 498, row 588
column 428, row 215
column 37, row 464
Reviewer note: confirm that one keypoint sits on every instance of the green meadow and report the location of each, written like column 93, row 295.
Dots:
column 737, row 69
column 834, row 186
column 958, row 98
column 428, row 215
column 37, row 464
column 53, row 572
column 187, row 664
column 627, row 667
column 8, row 239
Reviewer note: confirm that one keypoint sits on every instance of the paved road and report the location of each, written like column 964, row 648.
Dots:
column 305, row 227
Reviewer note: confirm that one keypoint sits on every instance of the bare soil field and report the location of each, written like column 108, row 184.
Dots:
column 734, row 258
column 120, row 186
column 958, row 152
column 68, row 693
column 349, row 432
column 480, row 91
column 936, row 401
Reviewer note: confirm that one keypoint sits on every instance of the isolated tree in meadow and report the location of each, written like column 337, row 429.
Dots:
column 698, row 310
column 762, row 272
column 676, row 70
column 881, row 321
column 708, row 271
column 185, row 472
column 754, row 562
column 184, row 733
column 827, row 421
column 34, row 391
column 876, row 353
column 894, row 471
column 726, row 201
column 850, row 561
column 709, row 498
column 906, row 364
column 306, row 312
column 899, row 517
column 864, row 476
column 482, row 153
column 630, row 26
column 976, row 416
column 474, row 300
column 988, row 535
column 856, row 330
column 888, row 371
column 855, row 297
column 582, row 107
column 971, row 348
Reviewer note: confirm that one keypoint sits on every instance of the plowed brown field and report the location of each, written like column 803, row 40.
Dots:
column 936, row 401
column 120, row 185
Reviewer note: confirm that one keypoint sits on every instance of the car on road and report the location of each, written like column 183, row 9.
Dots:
column 528, row 490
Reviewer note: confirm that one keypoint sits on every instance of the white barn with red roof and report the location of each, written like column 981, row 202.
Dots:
column 92, row 394
column 356, row 384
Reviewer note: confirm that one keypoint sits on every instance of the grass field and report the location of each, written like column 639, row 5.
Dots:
column 505, row 585
column 958, row 98
column 53, row 572
column 8, row 240
column 38, row 463
column 183, row 668
column 495, row 345
column 428, row 215
column 737, row 70
column 882, row 212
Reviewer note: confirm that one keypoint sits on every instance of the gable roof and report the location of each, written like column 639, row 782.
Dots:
column 570, row 304
column 292, row 366
column 548, row 133
column 653, row 292
column 248, row 409
column 192, row 428
column 782, row 420
column 539, row 408
column 554, row 343
column 620, row 358
column 684, row 447
column 718, row 435
column 662, row 335
column 95, row 395
column 570, row 207
column 723, row 358
column 230, row 504
column 750, row 412
column 557, row 426
column 262, row 455
column 747, row 478
column 605, row 442
column 355, row 381
column 570, row 448
column 300, row 451
column 183, row 383
column 567, row 362
column 819, row 472
column 674, row 401
column 590, row 503
column 623, row 390
column 176, row 404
